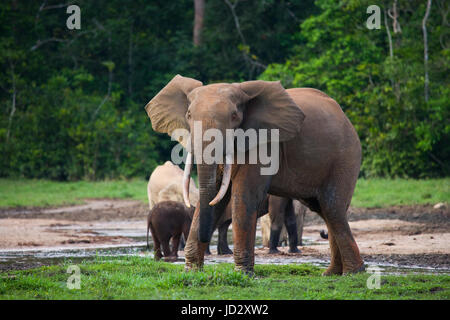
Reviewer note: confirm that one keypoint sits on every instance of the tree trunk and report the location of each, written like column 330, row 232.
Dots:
column 199, row 6
column 13, row 102
column 425, row 50
column 394, row 16
column 391, row 54
column 130, row 62
column 386, row 24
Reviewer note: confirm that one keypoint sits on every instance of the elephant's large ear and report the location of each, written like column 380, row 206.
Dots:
column 168, row 108
column 269, row 106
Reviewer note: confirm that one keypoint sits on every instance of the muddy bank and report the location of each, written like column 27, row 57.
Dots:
column 95, row 222
column 434, row 219
column 35, row 233
column 393, row 263
column 92, row 210
column 402, row 235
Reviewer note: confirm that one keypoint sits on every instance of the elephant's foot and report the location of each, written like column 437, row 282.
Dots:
column 245, row 269
column 170, row 258
column 274, row 251
column 157, row 256
column 294, row 250
column 359, row 268
column 194, row 255
column 337, row 269
column 192, row 267
column 333, row 269
column 222, row 251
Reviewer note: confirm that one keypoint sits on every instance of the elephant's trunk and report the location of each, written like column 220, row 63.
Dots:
column 207, row 189
column 207, row 182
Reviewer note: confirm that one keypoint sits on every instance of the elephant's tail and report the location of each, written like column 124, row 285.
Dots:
column 324, row 234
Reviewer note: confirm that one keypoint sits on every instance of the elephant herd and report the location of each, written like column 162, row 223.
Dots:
column 170, row 219
column 314, row 146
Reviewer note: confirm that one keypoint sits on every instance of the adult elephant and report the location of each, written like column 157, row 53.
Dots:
column 283, row 223
column 320, row 156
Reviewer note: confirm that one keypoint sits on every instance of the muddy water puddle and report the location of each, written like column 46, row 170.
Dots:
column 135, row 233
column 111, row 228
column 31, row 258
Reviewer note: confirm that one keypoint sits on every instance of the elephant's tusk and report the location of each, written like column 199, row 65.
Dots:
column 226, row 178
column 187, row 179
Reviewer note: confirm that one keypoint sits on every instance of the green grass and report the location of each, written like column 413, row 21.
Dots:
column 43, row 193
column 368, row 193
column 143, row 278
column 380, row 193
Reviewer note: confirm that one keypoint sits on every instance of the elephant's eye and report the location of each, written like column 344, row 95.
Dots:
column 188, row 115
column 234, row 116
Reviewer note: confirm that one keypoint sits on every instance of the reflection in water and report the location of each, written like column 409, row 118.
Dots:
column 19, row 259
column 35, row 257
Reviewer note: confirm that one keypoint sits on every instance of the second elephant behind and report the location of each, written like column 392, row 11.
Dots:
column 166, row 184
column 273, row 224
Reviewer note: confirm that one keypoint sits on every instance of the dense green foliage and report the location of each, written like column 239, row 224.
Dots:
column 143, row 278
column 401, row 133
column 369, row 193
column 72, row 100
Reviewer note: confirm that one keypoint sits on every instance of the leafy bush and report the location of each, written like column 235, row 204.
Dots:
column 74, row 101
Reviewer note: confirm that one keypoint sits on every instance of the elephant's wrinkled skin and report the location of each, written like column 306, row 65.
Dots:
column 320, row 156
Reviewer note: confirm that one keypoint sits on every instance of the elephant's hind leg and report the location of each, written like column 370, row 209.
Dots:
column 342, row 243
column 290, row 221
column 342, row 238
column 175, row 244
column 277, row 208
column 274, row 240
column 166, row 246
column 156, row 243
column 336, row 260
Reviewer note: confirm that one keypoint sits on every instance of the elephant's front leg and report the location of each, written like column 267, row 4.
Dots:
column 274, row 240
column 290, row 221
column 277, row 206
column 249, row 189
column 194, row 249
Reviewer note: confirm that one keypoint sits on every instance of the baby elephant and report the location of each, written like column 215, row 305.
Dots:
column 168, row 220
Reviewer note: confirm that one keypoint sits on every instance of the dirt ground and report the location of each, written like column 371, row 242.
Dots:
column 70, row 226
column 405, row 235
